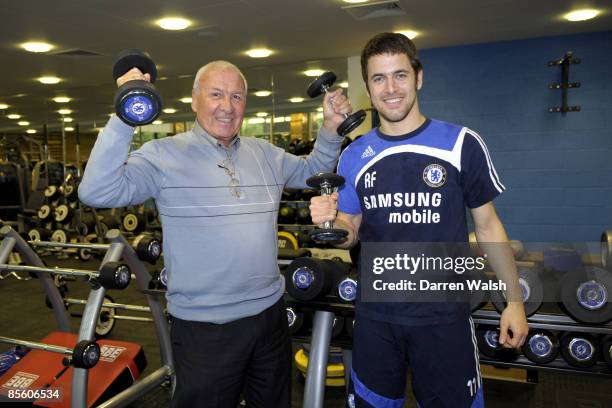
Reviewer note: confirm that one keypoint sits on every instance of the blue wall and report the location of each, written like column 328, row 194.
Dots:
column 557, row 169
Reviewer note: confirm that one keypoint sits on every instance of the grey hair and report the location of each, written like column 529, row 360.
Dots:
column 217, row 64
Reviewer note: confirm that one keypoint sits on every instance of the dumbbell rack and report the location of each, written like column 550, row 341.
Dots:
column 117, row 249
column 554, row 322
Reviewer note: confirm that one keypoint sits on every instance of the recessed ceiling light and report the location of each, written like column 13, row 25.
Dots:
column 169, row 110
column 297, row 99
column 62, row 99
column 67, row 120
column 581, row 15
column 173, row 23
column 31, row 131
column 64, row 111
column 287, row 118
column 259, row 53
column 23, row 123
column 36, row 46
column 320, row 109
column 262, row 93
column 157, row 122
column 69, row 129
column 279, row 119
column 408, row 33
column 49, row 80
column 343, row 84
column 186, row 100
column 313, row 72
column 354, row 1
column 3, row 106
column 162, row 78
column 13, row 116
column 255, row 121
column 261, row 114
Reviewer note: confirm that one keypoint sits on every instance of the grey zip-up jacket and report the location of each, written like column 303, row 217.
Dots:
column 220, row 247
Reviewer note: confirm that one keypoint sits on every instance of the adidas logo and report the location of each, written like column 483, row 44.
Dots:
column 369, row 152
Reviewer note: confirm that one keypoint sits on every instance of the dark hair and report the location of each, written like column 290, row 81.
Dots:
column 389, row 43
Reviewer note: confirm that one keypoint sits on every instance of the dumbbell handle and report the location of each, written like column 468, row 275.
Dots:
column 52, row 244
column 37, row 346
column 326, row 190
column 326, row 90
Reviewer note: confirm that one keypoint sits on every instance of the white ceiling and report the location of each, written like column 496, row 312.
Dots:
column 303, row 33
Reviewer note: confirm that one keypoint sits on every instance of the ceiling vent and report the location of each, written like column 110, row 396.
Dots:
column 77, row 53
column 368, row 11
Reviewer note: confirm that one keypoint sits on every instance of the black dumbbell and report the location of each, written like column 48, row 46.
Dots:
column 137, row 102
column 541, row 346
column 488, row 343
column 321, row 85
column 585, row 295
column 311, row 278
column 147, row 248
column 286, row 214
column 114, row 275
column 347, row 290
column 579, row 349
column 295, row 320
column 85, row 355
column 327, row 182
column 133, row 222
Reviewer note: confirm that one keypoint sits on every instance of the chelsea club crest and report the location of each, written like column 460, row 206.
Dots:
column 434, row 175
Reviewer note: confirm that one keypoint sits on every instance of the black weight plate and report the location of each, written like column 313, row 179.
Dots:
column 315, row 88
column 347, row 290
column 137, row 103
column 487, row 338
column 585, row 295
column 295, row 320
column 134, row 58
column 338, row 326
column 541, row 346
column 333, row 179
column 532, row 288
column 606, row 349
column 305, row 279
column 606, row 250
column 106, row 319
column 329, row 236
column 351, row 123
column 579, row 349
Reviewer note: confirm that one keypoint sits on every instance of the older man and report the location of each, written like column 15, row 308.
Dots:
column 217, row 194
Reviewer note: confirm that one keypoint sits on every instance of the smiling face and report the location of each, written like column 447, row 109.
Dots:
column 393, row 85
column 219, row 103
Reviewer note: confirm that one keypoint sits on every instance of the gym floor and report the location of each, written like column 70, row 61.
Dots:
column 25, row 316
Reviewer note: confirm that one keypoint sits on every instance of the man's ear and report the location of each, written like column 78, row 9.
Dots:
column 194, row 101
column 419, row 83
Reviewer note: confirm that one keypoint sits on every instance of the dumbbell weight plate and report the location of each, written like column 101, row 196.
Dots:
column 70, row 192
column 585, row 295
column 332, row 179
column 316, row 87
column 63, row 213
column 579, row 349
column 295, row 320
column 51, row 192
column 86, row 354
column 44, row 212
column 606, row 349
column 106, row 319
column 133, row 222
column 351, row 123
column 347, row 290
column 531, row 287
column 59, row 236
column 306, row 279
column 541, row 346
column 488, row 343
column 39, row 234
column 114, row 275
column 287, row 240
column 303, row 216
column 606, row 250
column 131, row 58
column 349, row 325
column 147, row 248
column 330, row 236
